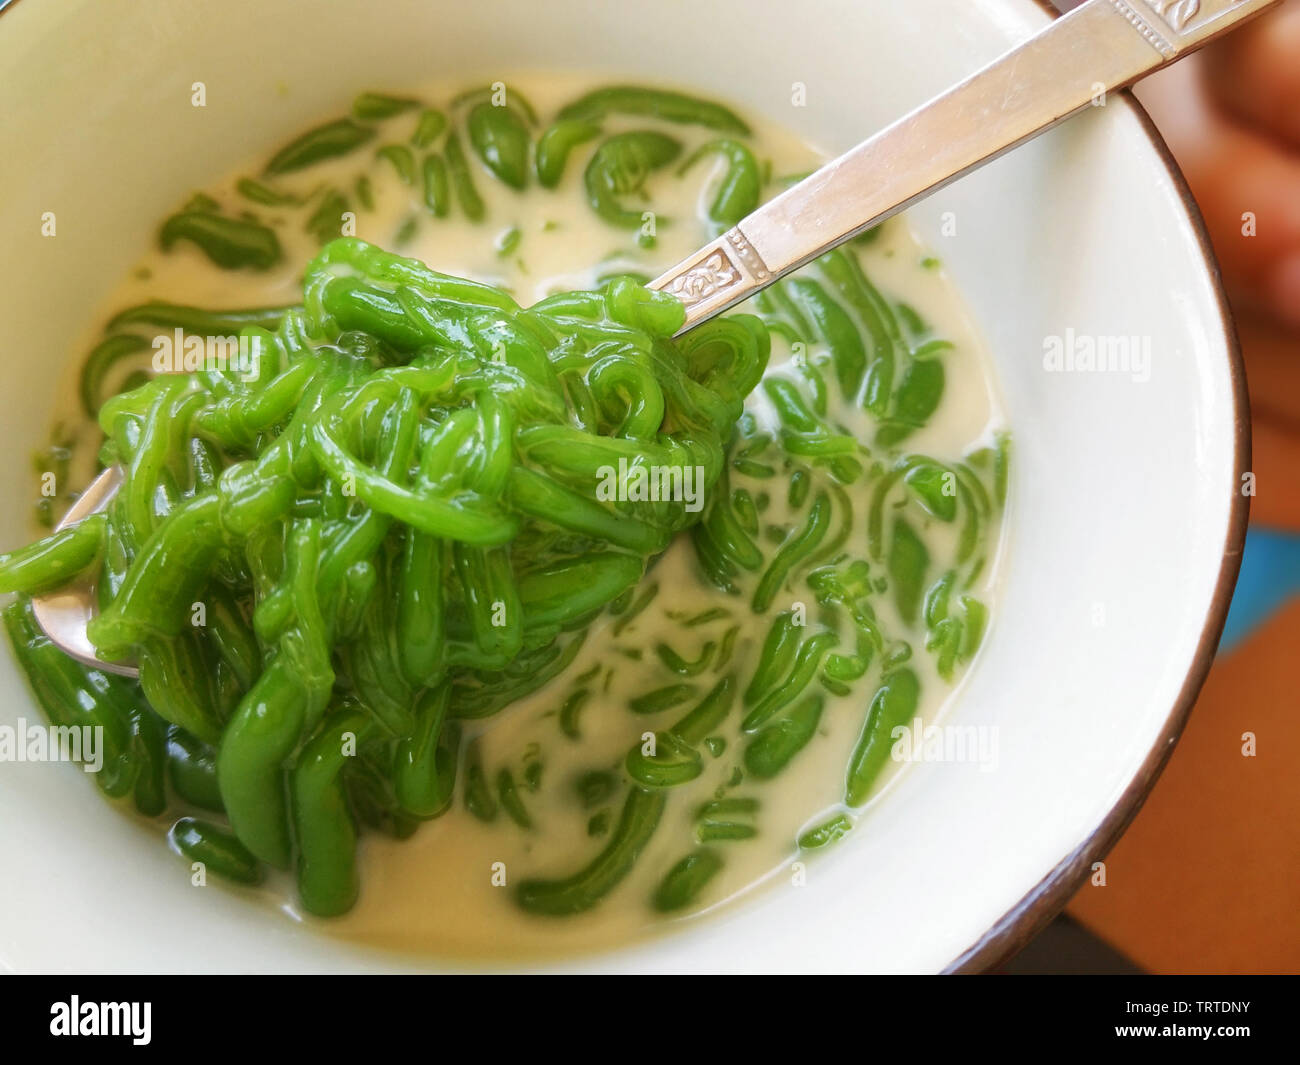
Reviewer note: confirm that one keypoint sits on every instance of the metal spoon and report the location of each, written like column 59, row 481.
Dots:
column 1100, row 46
column 1062, row 70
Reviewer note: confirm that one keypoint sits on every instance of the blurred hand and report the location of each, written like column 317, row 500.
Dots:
column 1232, row 118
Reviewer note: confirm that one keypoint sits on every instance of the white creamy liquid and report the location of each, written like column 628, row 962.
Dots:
column 435, row 892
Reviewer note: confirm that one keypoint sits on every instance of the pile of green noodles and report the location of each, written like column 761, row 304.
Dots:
column 404, row 503
column 387, row 519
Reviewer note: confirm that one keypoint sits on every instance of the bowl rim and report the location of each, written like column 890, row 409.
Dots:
column 1037, row 907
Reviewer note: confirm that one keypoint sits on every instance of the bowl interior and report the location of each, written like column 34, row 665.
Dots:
column 1123, row 483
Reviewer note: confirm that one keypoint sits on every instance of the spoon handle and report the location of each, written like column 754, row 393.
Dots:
column 1099, row 46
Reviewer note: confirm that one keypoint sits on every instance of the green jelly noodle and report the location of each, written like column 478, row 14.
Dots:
column 390, row 522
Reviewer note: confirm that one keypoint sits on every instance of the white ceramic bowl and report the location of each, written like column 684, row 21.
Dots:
column 1126, row 518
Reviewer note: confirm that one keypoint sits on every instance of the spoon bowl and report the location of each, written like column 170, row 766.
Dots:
column 65, row 613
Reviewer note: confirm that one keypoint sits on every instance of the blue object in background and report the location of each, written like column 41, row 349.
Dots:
column 1270, row 575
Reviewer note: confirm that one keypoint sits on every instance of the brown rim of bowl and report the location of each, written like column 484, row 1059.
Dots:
column 1015, row 928
column 1048, row 897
